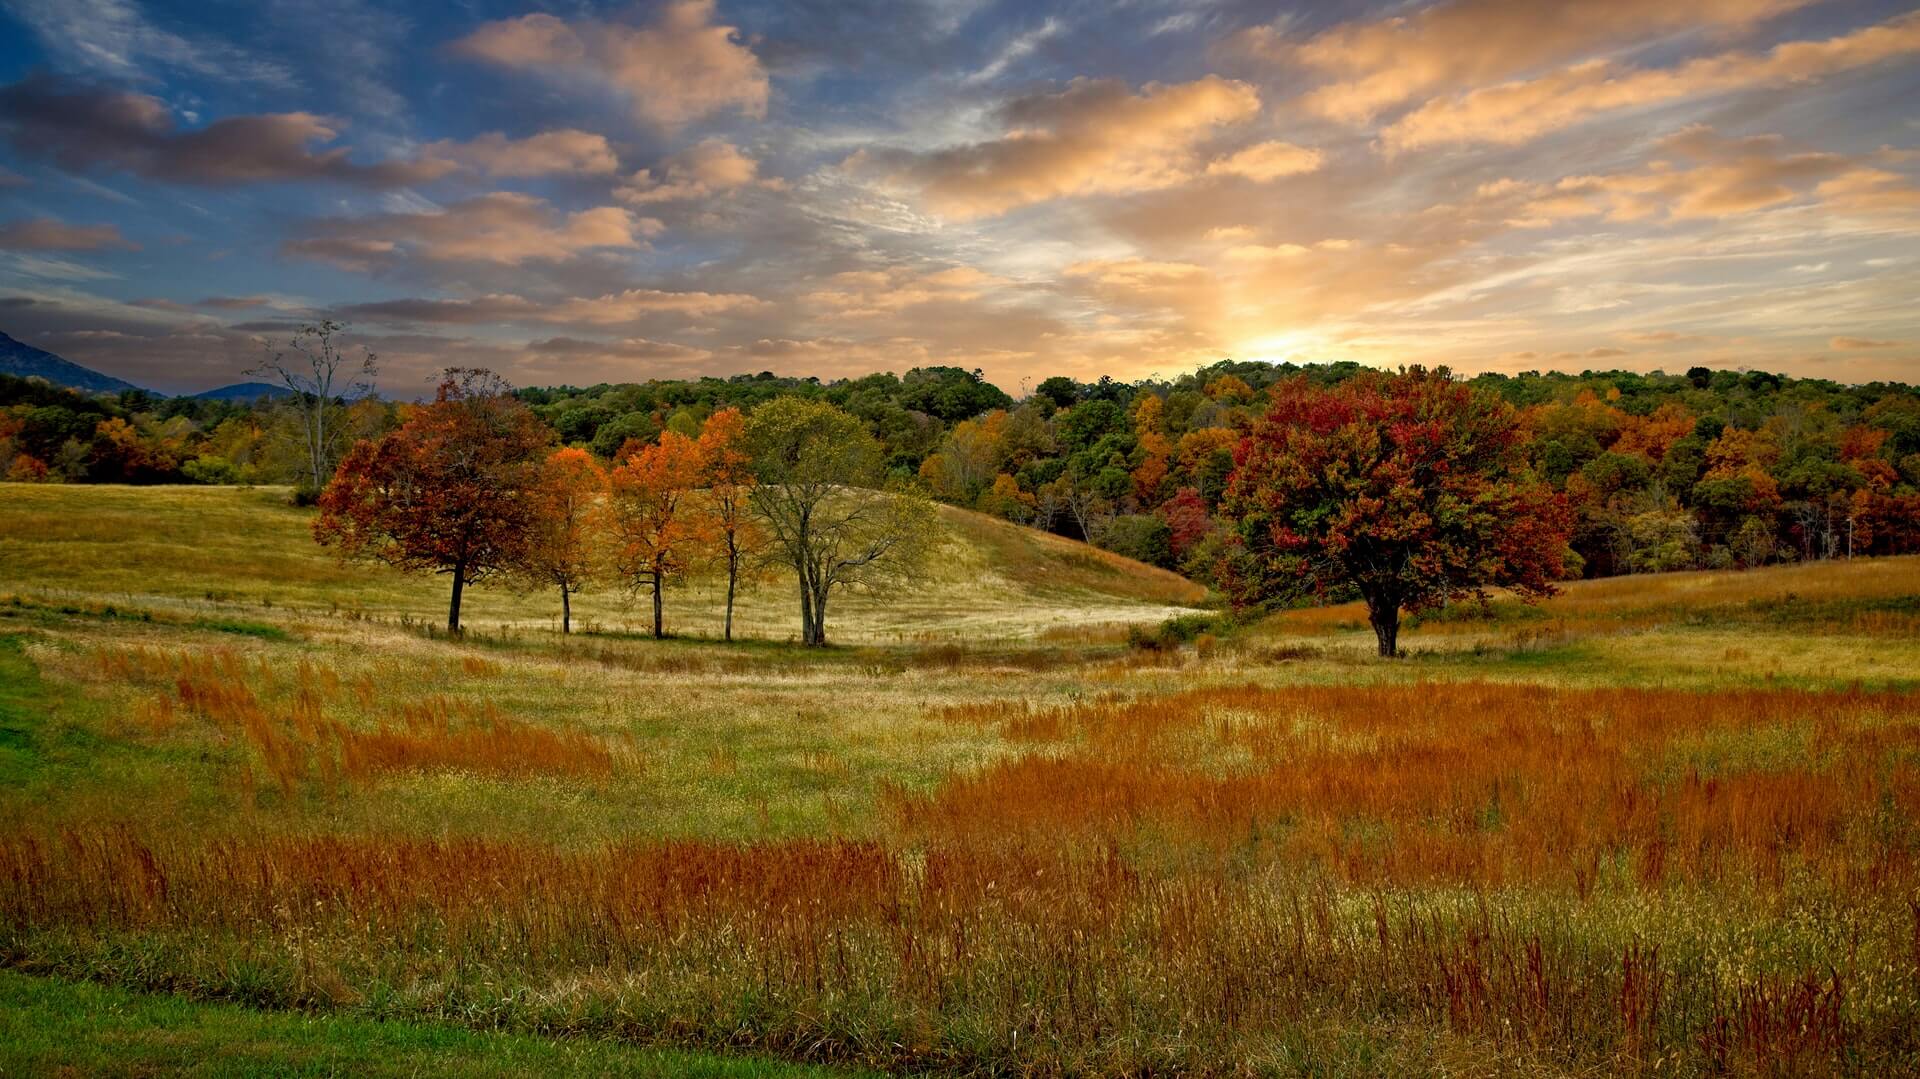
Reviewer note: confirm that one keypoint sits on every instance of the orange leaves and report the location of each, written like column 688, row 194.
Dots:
column 659, row 528
column 652, row 515
column 563, row 547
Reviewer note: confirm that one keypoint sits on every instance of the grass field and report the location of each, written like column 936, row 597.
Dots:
column 251, row 805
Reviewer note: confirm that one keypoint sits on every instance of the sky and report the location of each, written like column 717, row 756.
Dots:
column 574, row 193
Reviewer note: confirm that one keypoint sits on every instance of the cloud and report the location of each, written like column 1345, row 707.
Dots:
column 1379, row 63
column 630, row 305
column 46, row 234
column 1515, row 112
column 1021, row 46
column 112, row 38
column 862, row 293
column 1094, row 137
column 1264, row 161
column 10, row 178
column 504, row 228
column 710, row 167
column 1728, row 176
column 550, row 152
column 86, row 126
column 1853, row 344
column 677, row 70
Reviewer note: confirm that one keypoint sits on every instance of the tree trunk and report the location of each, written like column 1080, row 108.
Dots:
column 453, row 606
column 659, row 630
column 733, row 574
column 818, row 636
column 566, row 609
column 806, row 612
column 1385, row 617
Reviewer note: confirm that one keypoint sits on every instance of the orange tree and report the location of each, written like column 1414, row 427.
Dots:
column 1409, row 489
column 453, row 489
column 737, row 537
column 562, row 546
column 658, row 526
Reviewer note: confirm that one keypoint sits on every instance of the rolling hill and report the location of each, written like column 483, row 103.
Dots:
column 161, row 546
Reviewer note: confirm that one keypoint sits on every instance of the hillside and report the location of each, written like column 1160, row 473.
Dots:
column 231, row 548
column 25, row 361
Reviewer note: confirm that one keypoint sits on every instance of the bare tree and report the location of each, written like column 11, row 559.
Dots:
column 320, row 375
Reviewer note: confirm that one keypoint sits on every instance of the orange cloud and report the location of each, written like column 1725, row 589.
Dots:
column 860, row 293
column 1094, row 137
column 1265, row 161
column 1515, row 112
column 504, row 228
column 707, row 168
column 548, row 153
column 614, row 308
column 680, row 69
column 1851, row 344
column 1732, row 176
column 1383, row 62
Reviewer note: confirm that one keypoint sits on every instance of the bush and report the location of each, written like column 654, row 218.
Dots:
column 211, row 470
column 305, row 494
column 1174, row 632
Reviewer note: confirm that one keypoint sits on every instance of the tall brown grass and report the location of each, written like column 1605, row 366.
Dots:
column 289, row 721
column 1593, row 880
column 1465, row 783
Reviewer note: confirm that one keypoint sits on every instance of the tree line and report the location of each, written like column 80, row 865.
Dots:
column 474, row 485
column 1701, row 469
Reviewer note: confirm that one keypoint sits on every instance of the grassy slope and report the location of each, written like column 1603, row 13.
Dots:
column 50, row 1025
column 743, row 742
column 227, row 550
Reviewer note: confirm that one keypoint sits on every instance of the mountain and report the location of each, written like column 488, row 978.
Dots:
column 243, row 392
column 25, row 361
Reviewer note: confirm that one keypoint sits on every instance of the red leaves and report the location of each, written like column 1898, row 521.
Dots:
column 1411, row 488
column 451, row 490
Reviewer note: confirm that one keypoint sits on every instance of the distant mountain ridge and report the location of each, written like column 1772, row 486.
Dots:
column 22, row 360
column 243, row 391
column 25, row 361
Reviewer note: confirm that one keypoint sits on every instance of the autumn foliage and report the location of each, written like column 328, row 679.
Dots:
column 1411, row 489
column 564, row 548
column 659, row 524
column 453, row 490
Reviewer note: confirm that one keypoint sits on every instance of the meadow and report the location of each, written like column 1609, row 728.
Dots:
column 1011, row 824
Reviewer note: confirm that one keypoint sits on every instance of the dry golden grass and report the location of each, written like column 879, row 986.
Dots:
column 240, row 551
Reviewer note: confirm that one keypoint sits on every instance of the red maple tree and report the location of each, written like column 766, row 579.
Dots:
column 452, row 490
column 1409, row 489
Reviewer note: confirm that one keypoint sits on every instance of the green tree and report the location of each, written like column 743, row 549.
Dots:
column 827, row 519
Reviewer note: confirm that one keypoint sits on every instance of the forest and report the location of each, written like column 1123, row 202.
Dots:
column 1708, row 469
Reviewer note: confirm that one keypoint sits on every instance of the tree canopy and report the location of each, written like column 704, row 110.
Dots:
column 454, row 490
column 1411, row 489
column 818, row 496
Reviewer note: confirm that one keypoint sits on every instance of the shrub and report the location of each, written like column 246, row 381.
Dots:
column 211, row 470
